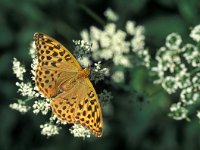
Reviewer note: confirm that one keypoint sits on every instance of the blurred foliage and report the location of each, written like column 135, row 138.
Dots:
column 135, row 120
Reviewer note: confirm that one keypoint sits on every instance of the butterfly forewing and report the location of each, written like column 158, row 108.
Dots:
column 52, row 58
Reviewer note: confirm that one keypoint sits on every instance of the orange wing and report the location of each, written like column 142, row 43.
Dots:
column 80, row 105
column 55, row 64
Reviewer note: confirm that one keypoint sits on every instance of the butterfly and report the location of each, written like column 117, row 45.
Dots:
column 60, row 77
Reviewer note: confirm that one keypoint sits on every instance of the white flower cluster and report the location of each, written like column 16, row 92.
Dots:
column 32, row 50
column 195, row 33
column 42, row 106
column 49, row 129
column 177, row 70
column 26, row 89
column 18, row 69
column 79, row 131
column 98, row 73
column 20, row 106
column 111, row 43
column 122, row 48
column 32, row 53
column 118, row 76
column 82, row 51
column 198, row 114
column 178, row 112
column 191, row 55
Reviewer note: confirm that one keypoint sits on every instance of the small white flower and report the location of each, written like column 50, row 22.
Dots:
column 182, row 76
column 49, row 129
column 190, row 95
column 139, row 30
column 18, row 69
column 105, row 40
column 42, row 106
column 173, row 41
column 198, row 114
column 79, row 131
column 196, row 80
column 111, row 15
column 33, row 68
column 32, row 50
column 110, row 29
column 191, row 54
column 97, row 66
column 85, row 35
column 178, row 112
column 106, row 54
column 25, row 89
column 130, row 27
column 20, row 106
column 146, row 57
column 137, row 43
column 122, row 60
column 169, row 84
column 98, row 73
column 95, row 33
column 118, row 76
column 82, row 49
column 195, row 33
column 85, row 62
column 168, row 59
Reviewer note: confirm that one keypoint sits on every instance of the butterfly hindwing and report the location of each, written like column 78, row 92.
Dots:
column 64, row 109
column 80, row 107
column 89, row 112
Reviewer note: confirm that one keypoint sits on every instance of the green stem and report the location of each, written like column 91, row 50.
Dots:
column 92, row 14
column 28, row 99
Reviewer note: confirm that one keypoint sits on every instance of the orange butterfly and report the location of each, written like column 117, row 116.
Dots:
column 60, row 76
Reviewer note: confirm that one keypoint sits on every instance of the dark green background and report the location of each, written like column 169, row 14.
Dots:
column 137, row 121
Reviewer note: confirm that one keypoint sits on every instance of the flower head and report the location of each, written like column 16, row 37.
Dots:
column 173, row 41
column 32, row 50
column 82, row 49
column 42, row 106
column 111, row 44
column 49, row 129
column 118, row 76
column 18, row 69
column 79, row 131
column 98, row 73
column 111, row 15
column 25, row 89
column 20, row 106
column 178, row 112
column 177, row 69
column 195, row 33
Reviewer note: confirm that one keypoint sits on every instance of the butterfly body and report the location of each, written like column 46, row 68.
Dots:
column 59, row 76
